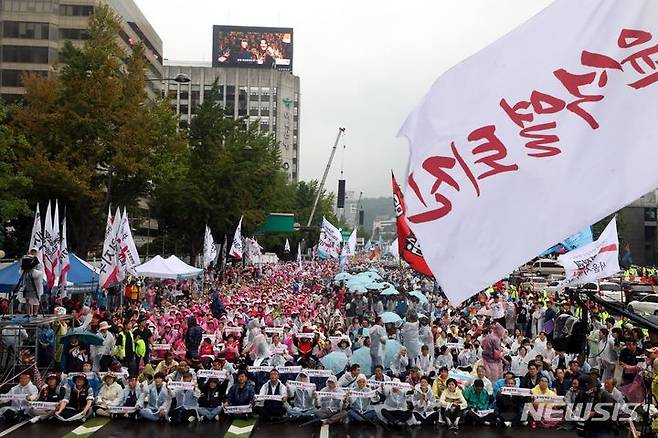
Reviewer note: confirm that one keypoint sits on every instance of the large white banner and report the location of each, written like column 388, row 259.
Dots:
column 330, row 240
column 593, row 261
column 546, row 131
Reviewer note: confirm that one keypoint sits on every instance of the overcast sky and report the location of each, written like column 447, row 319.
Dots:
column 363, row 64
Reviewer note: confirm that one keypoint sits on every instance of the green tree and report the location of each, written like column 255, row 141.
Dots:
column 14, row 185
column 93, row 137
column 231, row 170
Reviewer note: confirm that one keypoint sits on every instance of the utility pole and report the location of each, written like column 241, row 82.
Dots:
column 341, row 131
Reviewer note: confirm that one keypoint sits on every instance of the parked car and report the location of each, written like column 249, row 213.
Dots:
column 547, row 267
column 645, row 305
column 611, row 291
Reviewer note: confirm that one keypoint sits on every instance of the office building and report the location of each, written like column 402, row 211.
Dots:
column 32, row 32
column 637, row 229
column 268, row 98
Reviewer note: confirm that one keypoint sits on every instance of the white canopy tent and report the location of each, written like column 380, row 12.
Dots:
column 171, row 268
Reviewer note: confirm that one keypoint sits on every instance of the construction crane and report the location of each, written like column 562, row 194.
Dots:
column 341, row 131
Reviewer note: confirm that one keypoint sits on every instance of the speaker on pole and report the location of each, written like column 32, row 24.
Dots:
column 340, row 202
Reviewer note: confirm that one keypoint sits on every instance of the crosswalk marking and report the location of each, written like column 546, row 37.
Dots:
column 13, row 428
column 88, row 428
column 240, row 428
column 324, row 431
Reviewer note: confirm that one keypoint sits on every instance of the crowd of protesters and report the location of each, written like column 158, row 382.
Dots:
column 293, row 341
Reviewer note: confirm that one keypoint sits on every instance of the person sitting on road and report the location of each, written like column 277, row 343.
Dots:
column 348, row 379
column 452, row 404
column 395, row 410
column 210, row 402
column 78, row 404
column 109, row 396
column 478, row 404
column 19, row 408
column 303, row 399
column 242, row 393
column 157, row 400
column 426, row 407
column 331, row 408
column 187, row 402
column 361, row 400
column 133, row 396
column 52, row 392
column 272, row 409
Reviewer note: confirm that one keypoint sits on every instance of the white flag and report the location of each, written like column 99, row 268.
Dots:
column 128, row 257
column 56, row 254
column 122, row 262
column 109, row 266
column 286, row 248
column 330, row 239
column 253, row 250
column 593, row 261
column 299, row 255
column 48, row 247
column 132, row 256
column 547, row 116
column 209, row 249
column 36, row 240
column 349, row 249
column 65, row 261
column 236, row 246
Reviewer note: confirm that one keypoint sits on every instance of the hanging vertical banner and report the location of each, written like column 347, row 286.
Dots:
column 122, row 263
column 299, row 256
column 330, row 240
column 563, row 105
column 408, row 246
column 109, row 266
column 48, row 244
column 236, row 246
column 36, row 239
column 286, row 248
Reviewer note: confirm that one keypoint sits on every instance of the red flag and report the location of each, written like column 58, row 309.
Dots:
column 408, row 245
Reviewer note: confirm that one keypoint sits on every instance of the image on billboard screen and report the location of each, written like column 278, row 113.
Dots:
column 255, row 47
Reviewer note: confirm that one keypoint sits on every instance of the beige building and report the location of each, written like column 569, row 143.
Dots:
column 268, row 98
column 32, row 32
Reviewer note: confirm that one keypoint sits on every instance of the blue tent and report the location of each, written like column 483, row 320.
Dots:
column 82, row 275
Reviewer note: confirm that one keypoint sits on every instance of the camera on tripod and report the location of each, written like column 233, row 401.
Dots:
column 28, row 263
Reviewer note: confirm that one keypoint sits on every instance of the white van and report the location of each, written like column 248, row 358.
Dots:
column 546, row 267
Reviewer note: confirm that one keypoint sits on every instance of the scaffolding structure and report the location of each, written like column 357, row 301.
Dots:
column 20, row 348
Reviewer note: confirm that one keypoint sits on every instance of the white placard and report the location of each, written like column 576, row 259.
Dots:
column 123, row 373
column 174, row 386
column 302, row 385
column 305, row 335
column 161, row 347
column 246, row 409
column 483, row 413
column 122, row 409
column 363, row 394
column 521, row 392
column 289, row 370
column 46, row 406
column 272, row 330
column 259, row 369
column 403, row 386
column 334, row 395
column 237, row 330
column 548, row 398
column 212, row 374
column 12, row 397
column 318, row 373
column 272, row 397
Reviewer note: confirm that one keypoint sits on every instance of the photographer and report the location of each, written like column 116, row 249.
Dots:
column 595, row 425
column 31, row 283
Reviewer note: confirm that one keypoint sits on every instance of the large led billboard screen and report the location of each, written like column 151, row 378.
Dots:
column 254, row 47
